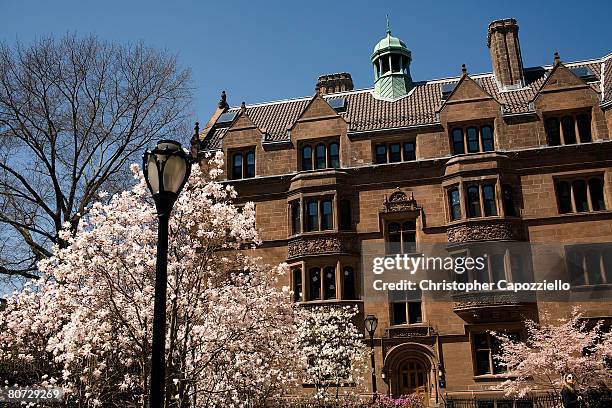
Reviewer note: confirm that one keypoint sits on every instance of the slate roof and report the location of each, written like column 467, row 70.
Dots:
column 420, row 107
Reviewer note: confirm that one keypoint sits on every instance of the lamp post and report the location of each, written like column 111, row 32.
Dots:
column 371, row 322
column 166, row 169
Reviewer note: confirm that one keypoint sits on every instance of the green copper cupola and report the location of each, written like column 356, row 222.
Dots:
column 391, row 60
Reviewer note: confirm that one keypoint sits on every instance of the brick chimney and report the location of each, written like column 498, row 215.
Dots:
column 334, row 83
column 503, row 43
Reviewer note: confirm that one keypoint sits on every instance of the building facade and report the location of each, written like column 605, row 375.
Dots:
column 515, row 156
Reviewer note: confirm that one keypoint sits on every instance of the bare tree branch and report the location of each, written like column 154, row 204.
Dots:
column 74, row 113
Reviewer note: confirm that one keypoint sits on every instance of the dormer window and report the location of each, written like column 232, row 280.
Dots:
column 568, row 129
column 473, row 139
column 243, row 165
column 324, row 156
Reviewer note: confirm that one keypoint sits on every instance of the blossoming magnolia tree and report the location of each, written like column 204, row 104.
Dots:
column 552, row 351
column 86, row 325
column 333, row 349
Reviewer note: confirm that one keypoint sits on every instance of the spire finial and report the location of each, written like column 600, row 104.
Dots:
column 463, row 69
column 388, row 25
column 556, row 58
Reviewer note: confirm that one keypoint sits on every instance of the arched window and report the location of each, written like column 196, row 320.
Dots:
column 334, row 155
column 454, row 202
column 307, row 157
column 553, row 132
column 473, row 201
column 580, row 196
column 312, row 216
column 458, row 143
column 320, row 156
column 327, row 219
column 508, row 200
column 348, row 283
column 597, row 196
column 487, row 138
column 314, row 282
column 564, row 197
column 584, row 127
column 329, row 274
column 237, row 166
column 488, row 194
column 569, row 130
column 250, row 165
column 409, row 237
column 346, row 222
column 296, row 222
column 472, row 140
column 297, row 285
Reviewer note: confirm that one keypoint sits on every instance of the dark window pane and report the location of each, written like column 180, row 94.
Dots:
column 488, row 193
column 237, row 166
column 584, row 127
column 295, row 218
column 472, row 140
column 346, row 222
column 320, row 159
column 395, row 153
column 329, row 274
column 517, row 267
column 553, row 132
column 580, row 195
column 348, row 283
column 409, row 153
column 312, row 216
column 482, row 362
column 455, row 203
column 409, row 237
column 297, row 285
column 473, row 201
column 481, row 341
column 574, row 258
column 394, row 243
column 334, row 155
column 399, row 313
column 314, row 278
column 569, row 131
column 596, row 191
column 414, row 310
column 564, row 197
column 381, row 153
column 508, row 200
column 607, row 263
column 385, row 64
column 593, row 267
column 498, row 271
column 487, row 138
column 458, row 144
column 250, row 165
column 326, row 215
column 307, row 158
column 482, row 275
column 395, row 63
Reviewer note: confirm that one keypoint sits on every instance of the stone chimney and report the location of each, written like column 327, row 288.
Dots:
column 334, row 83
column 503, row 43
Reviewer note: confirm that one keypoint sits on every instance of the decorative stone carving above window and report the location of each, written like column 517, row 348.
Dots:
column 398, row 202
column 408, row 332
column 320, row 245
column 484, row 231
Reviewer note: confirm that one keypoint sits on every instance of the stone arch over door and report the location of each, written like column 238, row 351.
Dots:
column 411, row 367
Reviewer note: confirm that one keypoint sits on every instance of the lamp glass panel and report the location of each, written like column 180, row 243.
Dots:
column 153, row 174
column 174, row 173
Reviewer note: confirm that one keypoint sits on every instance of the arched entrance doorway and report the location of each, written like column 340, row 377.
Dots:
column 410, row 368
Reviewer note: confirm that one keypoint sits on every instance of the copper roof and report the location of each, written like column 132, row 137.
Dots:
column 365, row 112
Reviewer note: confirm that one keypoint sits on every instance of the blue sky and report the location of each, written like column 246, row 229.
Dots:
column 267, row 50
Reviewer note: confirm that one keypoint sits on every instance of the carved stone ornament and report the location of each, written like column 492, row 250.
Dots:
column 399, row 201
column 408, row 332
column 488, row 231
column 479, row 300
column 318, row 245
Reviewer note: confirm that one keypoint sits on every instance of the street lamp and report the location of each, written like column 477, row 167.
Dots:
column 371, row 322
column 166, row 169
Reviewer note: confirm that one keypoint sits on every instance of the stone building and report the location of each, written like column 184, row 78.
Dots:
column 518, row 155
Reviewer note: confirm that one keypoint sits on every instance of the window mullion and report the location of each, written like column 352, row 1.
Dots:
column 588, row 193
column 482, row 198
column 572, row 198
column 561, row 133
column 576, row 130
